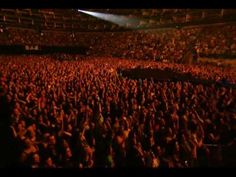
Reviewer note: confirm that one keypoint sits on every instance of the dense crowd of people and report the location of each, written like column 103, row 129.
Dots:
column 221, row 41
column 24, row 36
column 168, row 44
column 84, row 114
column 157, row 44
column 79, row 111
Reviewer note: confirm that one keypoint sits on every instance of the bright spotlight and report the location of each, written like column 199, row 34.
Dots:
column 120, row 20
column 88, row 12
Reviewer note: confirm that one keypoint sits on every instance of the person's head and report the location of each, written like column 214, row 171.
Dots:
column 34, row 127
column 222, row 121
column 177, row 148
column 159, row 150
column 35, row 112
column 26, row 109
column 52, row 140
column 16, row 112
column 92, row 125
column 9, row 98
column 15, row 97
column 68, row 153
column 69, row 128
column 49, row 162
column 53, row 103
column 40, row 119
column 22, row 122
column 36, row 158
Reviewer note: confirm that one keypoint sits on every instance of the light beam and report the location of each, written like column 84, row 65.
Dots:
column 120, row 20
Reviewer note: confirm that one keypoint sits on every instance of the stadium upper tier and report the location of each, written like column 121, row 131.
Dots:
column 71, row 19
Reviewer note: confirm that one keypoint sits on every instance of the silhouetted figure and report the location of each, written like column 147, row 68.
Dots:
column 9, row 146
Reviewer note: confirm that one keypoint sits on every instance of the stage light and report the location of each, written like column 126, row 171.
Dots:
column 120, row 20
